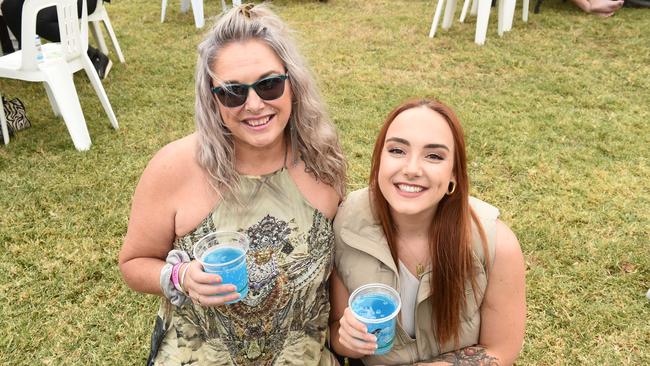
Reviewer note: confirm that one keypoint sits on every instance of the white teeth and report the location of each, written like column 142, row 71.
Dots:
column 258, row 122
column 408, row 188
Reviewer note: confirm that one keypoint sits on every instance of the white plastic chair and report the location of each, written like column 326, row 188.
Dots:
column 482, row 9
column 101, row 15
column 197, row 9
column 62, row 60
column 509, row 12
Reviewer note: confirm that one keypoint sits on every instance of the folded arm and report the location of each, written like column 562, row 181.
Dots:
column 151, row 231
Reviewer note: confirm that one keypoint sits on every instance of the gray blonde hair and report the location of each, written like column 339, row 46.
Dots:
column 311, row 133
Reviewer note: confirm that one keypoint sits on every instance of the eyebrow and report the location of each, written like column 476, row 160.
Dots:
column 266, row 74
column 427, row 146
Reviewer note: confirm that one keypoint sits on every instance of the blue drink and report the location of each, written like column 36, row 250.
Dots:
column 230, row 265
column 224, row 253
column 377, row 305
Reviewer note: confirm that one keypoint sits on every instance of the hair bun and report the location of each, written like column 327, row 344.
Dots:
column 246, row 9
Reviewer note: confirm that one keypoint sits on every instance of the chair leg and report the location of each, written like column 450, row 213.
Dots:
column 450, row 10
column 50, row 97
column 99, row 90
column 185, row 6
column 509, row 14
column 61, row 84
column 483, row 15
column 162, row 12
column 197, row 9
column 436, row 18
column 463, row 13
column 524, row 11
column 99, row 37
column 111, row 33
column 3, row 123
column 500, row 17
column 474, row 9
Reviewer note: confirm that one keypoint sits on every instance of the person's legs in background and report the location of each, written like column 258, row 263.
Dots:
column 12, row 13
column 603, row 8
column 5, row 40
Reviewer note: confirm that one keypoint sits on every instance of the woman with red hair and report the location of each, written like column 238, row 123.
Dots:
column 458, row 269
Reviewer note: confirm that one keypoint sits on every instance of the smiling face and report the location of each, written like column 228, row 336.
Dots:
column 417, row 162
column 258, row 123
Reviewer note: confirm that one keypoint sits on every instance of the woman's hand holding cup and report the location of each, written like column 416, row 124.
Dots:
column 206, row 289
column 353, row 334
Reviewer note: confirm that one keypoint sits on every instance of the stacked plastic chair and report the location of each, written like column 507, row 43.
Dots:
column 506, row 11
column 197, row 9
column 61, row 61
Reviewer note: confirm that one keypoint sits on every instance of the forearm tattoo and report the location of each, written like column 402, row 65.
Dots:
column 469, row 356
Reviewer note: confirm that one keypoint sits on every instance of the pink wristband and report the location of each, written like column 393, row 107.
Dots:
column 175, row 269
column 181, row 284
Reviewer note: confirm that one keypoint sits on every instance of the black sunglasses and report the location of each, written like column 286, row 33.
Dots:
column 234, row 95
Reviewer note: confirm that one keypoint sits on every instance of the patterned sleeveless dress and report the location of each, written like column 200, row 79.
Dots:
column 283, row 319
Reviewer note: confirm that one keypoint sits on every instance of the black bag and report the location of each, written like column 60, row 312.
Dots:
column 160, row 330
column 156, row 339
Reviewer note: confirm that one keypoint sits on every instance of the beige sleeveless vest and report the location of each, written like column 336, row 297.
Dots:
column 362, row 256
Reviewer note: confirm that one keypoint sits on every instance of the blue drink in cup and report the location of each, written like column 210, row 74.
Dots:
column 377, row 305
column 224, row 253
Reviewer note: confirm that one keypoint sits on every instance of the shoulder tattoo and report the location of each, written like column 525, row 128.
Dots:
column 468, row 356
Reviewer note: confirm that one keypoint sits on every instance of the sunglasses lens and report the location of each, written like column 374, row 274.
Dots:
column 270, row 88
column 232, row 95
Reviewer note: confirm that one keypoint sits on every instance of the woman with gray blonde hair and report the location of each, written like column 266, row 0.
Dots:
column 265, row 161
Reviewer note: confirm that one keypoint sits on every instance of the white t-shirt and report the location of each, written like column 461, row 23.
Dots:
column 408, row 292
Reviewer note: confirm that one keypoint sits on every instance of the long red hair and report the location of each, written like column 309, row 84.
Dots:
column 450, row 237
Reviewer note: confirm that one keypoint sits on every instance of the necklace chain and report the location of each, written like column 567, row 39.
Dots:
column 419, row 266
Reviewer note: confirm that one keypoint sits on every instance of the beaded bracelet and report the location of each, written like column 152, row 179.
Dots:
column 181, row 284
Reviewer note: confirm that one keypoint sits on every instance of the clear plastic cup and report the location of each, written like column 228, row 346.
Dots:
column 377, row 305
column 224, row 253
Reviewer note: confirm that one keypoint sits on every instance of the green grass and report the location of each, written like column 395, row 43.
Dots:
column 556, row 115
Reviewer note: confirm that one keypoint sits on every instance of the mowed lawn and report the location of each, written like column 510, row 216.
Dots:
column 557, row 118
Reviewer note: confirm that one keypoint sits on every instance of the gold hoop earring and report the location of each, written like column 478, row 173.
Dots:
column 453, row 188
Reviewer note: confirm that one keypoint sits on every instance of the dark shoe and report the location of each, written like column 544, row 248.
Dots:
column 637, row 3
column 101, row 62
